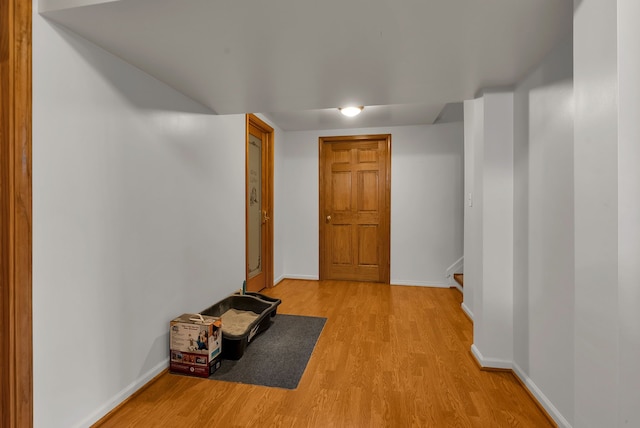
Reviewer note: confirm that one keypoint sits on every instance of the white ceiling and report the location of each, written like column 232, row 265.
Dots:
column 296, row 60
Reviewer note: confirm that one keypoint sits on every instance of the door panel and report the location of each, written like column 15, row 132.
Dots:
column 367, row 245
column 254, row 202
column 341, row 156
column 367, row 156
column 341, row 245
column 341, row 196
column 259, row 203
column 368, row 182
column 355, row 208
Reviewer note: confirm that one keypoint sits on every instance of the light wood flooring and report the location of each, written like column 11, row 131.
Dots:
column 389, row 356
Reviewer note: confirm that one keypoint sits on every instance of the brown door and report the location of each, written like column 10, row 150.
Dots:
column 355, row 188
column 259, row 202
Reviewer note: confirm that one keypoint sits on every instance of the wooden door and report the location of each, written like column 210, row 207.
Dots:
column 259, row 203
column 355, row 188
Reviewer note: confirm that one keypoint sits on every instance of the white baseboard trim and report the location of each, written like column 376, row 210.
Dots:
column 455, row 285
column 467, row 311
column 433, row 284
column 123, row 395
column 278, row 280
column 490, row 363
column 305, row 277
column 542, row 399
column 495, row 363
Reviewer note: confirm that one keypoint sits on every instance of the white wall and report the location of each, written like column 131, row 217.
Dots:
column 596, row 209
column 576, row 235
column 473, row 149
column 607, row 192
column 519, row 240
column 426, row 201
column 489, row 232
column 543, row 229
column 299, row 182
column 138, row 204
column 493, row 330
column 629, row 211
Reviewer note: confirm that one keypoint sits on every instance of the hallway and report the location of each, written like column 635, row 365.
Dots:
column 388, row 356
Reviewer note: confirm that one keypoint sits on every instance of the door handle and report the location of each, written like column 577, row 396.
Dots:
column 328, row 219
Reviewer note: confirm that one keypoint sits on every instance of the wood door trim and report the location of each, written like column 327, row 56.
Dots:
column 253, row 120
column 16, row 349
column 386, row 223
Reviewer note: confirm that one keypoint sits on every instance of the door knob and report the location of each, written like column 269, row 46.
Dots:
column 328, row 219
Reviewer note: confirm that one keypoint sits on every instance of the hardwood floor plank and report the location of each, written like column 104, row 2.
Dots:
column 388, row 356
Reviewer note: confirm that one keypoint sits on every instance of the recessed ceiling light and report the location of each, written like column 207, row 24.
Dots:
column 351, row 111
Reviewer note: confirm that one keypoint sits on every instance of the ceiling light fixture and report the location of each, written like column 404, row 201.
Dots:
column 351, row 111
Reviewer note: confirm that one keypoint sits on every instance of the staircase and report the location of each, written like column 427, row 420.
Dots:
column 458, row 277
column 454, row 273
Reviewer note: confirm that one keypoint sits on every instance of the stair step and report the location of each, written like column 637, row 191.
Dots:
column 459, row 278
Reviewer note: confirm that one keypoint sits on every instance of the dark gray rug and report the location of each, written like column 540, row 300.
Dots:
column 278, row 356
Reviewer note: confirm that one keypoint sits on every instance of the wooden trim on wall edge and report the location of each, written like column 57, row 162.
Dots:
column 16, row 331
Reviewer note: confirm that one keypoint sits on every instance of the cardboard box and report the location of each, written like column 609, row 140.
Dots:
column 195, row 343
